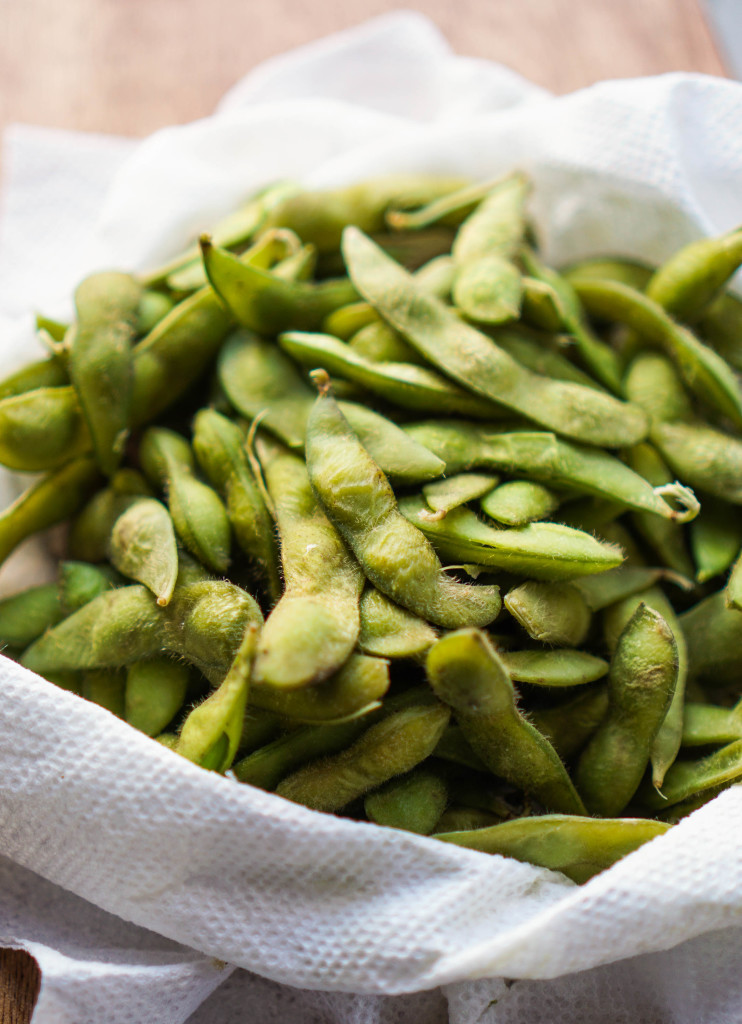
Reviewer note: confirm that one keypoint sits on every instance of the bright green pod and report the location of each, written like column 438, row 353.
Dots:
column 379, row 343
column 197, row 511
column 706, row 725
column 55, row 329
column 80, row 582
column 44, row 373
column 519, row 502
column 545, row 551
column 41, row 429
column 101, row 359
column 466, row 673
column 489, row 290
column 413, row 802
column 314, row 626
column 578, row 847
column 540, row 456
column 143, row 547
column 641, row 683
column 715, row 539
column 265, row 303
column 25, row 616
column 395, row 556
column 390, row 631
column 155, row 692
column 349, row 320
column 219, row 447
column 475, row 361
column 105, row 687
column 552, row 613
column 687, row 778
column 569, row 725
column 453, row 491
column 210, row 735
column 704, row 372
column 153, row 307
column 392, row 747
column 689, row 281
column 560, row 668
column 404, row 384
column 259, row 378
column 714, row 636
column 52, row 499
column 606, row 268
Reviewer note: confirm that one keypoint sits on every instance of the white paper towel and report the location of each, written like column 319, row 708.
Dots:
column 309, row 900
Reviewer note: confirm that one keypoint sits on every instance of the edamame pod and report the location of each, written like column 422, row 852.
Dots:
column 552, row 613
column 155, row 693
column 445, row 495
column 560, row 668
column 143, row 547
column 687, row 778
column 569, row 725
column 689, row 281
column 706, row 725
column 390, row 631
column 413, row 802
column 44, row 373
column 519, row 502
column 41, row 429
column 28, row 614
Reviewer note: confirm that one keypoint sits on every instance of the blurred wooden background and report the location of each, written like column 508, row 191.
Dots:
column 131, row 66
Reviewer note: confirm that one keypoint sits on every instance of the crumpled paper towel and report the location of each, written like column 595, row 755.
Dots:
column 241, row 876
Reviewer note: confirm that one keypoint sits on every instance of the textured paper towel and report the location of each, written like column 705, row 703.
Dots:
column 636, row 167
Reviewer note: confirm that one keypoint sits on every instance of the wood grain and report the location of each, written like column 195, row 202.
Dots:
column 131, row 66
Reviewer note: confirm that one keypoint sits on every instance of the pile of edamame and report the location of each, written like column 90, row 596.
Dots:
column 368, row 506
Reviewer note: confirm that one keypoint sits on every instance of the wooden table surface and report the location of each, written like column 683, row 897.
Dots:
column 131, row 66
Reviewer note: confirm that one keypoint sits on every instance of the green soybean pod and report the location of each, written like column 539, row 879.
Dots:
column 44, row 373
column 611, row 268
column 413, row 802
column 445, row 495
column 537, row 351
column 544, row 551
column 352, row 692
column 704, row 372
column 80, row 582
column 28, row 614
column 578, row 847
column 154, row 694
column 210, row 735
column 390, row 631
column 219, row 447
column 641, row 683
column 689, row 281
column 540, row 305
column 392, row 747
column 560, row 668
column 466, row 673
column 465, row 819
column 519, row 502
column 314, row 626
column 715, row 539
column 489, row 289
column 196, row 509
column 360, row 502
column 41, row 429
column 706, row 725
column 652, row 382
column 454, row 747
column 609, row 587
column 143, row 547
column 552, row 613
column 453, row 207
column 497, row 223
column 686, row 779
column 713, row 633
column 379, row 343
column 153, row 307
column 721, row 327
column 51, row 500
column 105, row 687
column 540, row 456
column 475, row 361
column 703, row 457
column 569, row 725
column 101, row 359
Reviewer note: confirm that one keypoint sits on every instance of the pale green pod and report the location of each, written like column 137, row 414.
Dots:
column 455, row 206
column 41, row 429
column 413, row 802
column 394, row 555
column 392, row 747
column 611, row 268
column 519, row 502
column 210, row 735
column 390, row 631
column 44, row 373
column 497, row 223
column 489, row 289
column 714, row 636
column 197, row 511
column 552, row 613
column 569, row 726
column 560, row 668
column 578, row 847
column 445, row 495
column 379, row 343
column 652, row 382
column 475, row 361
column 687, row 778
column 706, row 725
column 702, row 457
column 314, row 626
column 545, row 551
column 641, row 683
column 143, row 547
column 155, row 693
column 540, row 305
column 689, row 281
column 609, row 587
column 101, row 359
column 467, row 674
